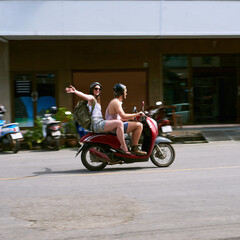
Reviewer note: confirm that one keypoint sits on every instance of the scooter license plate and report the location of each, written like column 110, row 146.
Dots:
column 57, row 133
column 16, row 135
column 166, row 129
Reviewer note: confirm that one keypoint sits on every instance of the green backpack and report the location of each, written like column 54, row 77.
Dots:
column 82, row 115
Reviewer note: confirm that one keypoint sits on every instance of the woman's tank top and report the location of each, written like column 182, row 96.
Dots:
column 97, row 111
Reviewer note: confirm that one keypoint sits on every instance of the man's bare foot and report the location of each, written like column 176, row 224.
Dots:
column 124, row 152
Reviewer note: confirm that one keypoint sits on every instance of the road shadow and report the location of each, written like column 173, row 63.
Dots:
column 6, row 152
column 48, row 150
column 49, row 171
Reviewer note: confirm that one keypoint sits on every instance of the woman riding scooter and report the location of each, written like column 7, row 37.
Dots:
column 99, row 125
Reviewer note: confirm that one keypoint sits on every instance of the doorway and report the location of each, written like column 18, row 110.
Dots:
column 214, row 95
column 34, row 94
column 135, row 80
column 206, row 84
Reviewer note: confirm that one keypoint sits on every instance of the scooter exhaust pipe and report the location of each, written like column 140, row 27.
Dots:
column 97, row 156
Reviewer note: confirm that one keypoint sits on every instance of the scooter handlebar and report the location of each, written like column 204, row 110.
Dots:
column 141, row 118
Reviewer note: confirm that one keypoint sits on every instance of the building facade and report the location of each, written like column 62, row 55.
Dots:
column 179, row 52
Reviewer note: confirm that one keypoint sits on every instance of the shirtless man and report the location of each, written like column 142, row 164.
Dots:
column 115, row 111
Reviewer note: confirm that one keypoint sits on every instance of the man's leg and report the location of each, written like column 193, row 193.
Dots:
column 111, row 125
column 136, row 129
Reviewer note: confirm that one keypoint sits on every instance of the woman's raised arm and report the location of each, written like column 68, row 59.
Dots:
column 86, row 97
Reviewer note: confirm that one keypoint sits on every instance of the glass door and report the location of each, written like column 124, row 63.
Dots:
column 176, row 85
column 214, row 84
column 34, row 94
column 24, row 100
column 45, row 93
column 204, row 88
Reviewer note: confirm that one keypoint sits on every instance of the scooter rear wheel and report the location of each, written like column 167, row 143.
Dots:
column 15, row 145
column 89, row 162
column 163, row 155
column 52, row 143
column 1, row 146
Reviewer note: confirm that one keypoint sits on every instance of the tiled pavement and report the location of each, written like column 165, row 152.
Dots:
column 209, row 133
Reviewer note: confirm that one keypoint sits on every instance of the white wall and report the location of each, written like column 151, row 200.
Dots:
column 79, row 18
column 119, row 18
column 203, row 18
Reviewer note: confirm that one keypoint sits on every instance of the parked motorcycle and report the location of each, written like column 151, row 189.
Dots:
column 100, row 150
column 164, row 126
column 9, row 134
column 51, row 130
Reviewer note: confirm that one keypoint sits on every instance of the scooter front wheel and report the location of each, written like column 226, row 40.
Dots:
column 90, row 161
column 163, row 155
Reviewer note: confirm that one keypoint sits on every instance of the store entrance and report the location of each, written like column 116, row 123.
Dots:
column 135, row 80
column 206, row 84
column 214, row 95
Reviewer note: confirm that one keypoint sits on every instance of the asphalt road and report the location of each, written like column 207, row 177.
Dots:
column 50, row 195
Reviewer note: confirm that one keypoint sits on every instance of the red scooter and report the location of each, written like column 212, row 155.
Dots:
column 101, row 149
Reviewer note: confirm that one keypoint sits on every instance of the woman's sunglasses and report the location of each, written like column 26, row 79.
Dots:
column 97, row 89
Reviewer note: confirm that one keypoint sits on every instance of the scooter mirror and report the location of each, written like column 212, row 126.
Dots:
column 68, row 113
column 143, row 106
column 158, row 103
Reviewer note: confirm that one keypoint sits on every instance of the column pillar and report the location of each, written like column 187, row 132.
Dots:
column 5, row 90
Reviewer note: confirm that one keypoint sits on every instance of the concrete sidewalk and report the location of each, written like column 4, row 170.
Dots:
column 206, row 133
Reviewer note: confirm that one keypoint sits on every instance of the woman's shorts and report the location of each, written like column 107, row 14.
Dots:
column 98, row 126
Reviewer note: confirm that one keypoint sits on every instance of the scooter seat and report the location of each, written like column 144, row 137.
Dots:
column 10, row 124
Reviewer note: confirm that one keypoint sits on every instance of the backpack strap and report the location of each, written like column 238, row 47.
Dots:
column 93, row 105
